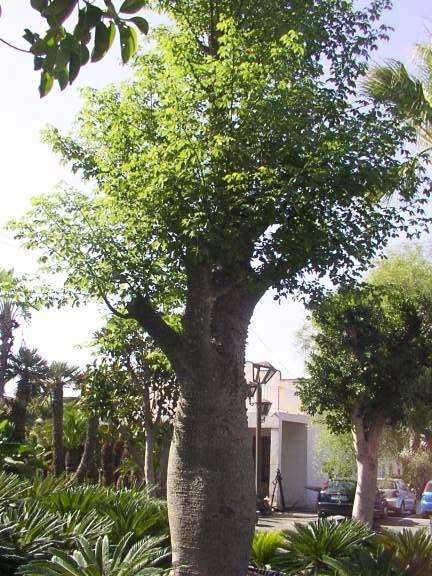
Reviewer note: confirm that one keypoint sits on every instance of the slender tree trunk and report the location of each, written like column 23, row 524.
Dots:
column 149, row 473
column 7, row 325
column 19, row 410
column 89, row 449
column 366, row 444
column 118, row 450
column 57, row 414
column 163, row 464
column 107, row 458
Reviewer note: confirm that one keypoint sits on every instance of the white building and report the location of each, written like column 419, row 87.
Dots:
column 287, row 443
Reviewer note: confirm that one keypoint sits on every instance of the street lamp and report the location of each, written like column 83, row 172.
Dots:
column 262, row 372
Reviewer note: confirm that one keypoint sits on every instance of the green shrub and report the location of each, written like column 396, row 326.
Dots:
column 264, row 549
column 147, row 557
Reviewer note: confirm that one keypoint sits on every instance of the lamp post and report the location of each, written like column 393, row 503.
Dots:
column 262, row 372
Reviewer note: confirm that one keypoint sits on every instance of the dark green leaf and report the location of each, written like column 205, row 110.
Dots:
column 39, row 5
column 74, row 66
column 38, row 62
column 132, row 6
column 128, row 42
column 46, row 83
column 141, row 23
column 60, row 9
column 62, row 77
column 84, row 54
column 102, row 42
column 93, row 16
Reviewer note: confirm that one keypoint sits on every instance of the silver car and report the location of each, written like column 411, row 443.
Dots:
column 399, row 498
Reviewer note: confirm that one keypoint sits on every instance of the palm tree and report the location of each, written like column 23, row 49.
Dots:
column 30, row 369
column 411, row 95
column 59, row 375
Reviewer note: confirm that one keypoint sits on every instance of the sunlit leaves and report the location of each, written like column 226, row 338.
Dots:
column 61, row 52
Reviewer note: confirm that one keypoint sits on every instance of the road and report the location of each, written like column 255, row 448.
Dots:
column 286, row 520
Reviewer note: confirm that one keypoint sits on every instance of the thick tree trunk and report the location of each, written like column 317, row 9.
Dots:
column 149, row 473
column 210, row 485
column 366, row 444
column 90, row 446
column 19, row 410
column 57, row 414
column 211, row 492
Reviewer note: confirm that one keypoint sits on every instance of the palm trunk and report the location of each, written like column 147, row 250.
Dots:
column 19, row 410
column 57, row 414
column 366, row 443
column 89, row 449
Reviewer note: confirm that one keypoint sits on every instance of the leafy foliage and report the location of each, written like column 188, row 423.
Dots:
column 265, row 548
column 125, row 559
column 307, row 548
column 60, row 53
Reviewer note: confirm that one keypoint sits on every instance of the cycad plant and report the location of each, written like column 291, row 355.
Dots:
column 147, row 557
column 265, row 547
column 307, row 548
column 411, row 551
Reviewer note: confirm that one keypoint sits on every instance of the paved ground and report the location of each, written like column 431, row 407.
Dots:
column 286, row 520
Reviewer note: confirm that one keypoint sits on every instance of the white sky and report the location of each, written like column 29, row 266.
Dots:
column 28, row 168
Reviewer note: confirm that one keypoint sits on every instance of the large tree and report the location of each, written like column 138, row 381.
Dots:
column 238, row 160
column 371, row 349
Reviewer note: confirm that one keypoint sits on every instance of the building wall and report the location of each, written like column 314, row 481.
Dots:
column 294, row 463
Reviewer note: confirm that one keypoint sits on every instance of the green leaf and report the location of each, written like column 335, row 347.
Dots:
column 93, row 15
column 84, row 54
column 132, row 6
column 128, row 42
column 141, row 23
column 74, row 66
column 39, row 5
column 62, row 77
column 60, row 9
column 103, row 40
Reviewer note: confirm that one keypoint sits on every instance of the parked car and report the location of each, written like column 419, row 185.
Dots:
column 426, row 500
column 337, row 498
column 399, row 498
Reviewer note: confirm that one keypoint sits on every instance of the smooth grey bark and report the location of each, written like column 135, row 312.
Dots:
column 90, row 446
column 210, row 485
column 366, row 445
column 57, row 414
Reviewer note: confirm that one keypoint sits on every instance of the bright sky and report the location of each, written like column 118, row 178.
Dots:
column 29, row 168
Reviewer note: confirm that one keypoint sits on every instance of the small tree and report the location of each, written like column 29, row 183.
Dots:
column 371, row 347
column 139, row 390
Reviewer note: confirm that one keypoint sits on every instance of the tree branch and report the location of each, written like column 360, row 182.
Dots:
column 143, row 311
column 14, row 47
column 114, row 310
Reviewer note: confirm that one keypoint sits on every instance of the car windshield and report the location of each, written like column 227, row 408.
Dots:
column 428, row 487
column 386, row 484
column 341, row 486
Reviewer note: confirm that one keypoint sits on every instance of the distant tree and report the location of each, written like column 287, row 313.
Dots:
column 30, row 370
column 61, row 51
column 139, row 390
column 59, row 374
column 410, row 95
column 371, row 347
